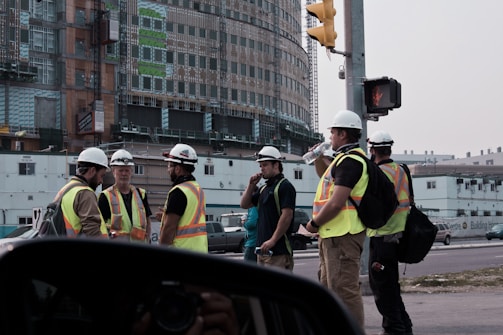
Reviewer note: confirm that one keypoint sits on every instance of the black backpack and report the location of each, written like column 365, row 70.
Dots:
column 419, row 233
column 53, row 223
column 379, row 201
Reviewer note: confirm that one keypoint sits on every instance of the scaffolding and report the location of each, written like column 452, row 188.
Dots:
column 313, row 74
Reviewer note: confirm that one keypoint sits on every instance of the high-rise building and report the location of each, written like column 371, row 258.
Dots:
column 222, row 73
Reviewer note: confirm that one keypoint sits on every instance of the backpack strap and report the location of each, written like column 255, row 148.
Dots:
column 407, row 172
column 353, row 202
column 276, row 194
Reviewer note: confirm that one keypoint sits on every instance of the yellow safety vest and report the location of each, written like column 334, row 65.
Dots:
column 119, row 221
column 396, row 222
column 72, row 220
column 191, row 230
column 347, row 220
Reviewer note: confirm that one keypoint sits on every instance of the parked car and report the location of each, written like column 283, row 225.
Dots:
column 24, row 232
column 495, row 232
column 443, row 233
column 220, row 239
column 39, row 297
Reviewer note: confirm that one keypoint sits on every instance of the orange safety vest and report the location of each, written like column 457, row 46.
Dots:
column 191, row 231
column 119, row 221
column 396, row 222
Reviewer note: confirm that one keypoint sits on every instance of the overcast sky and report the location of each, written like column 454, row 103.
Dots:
column 448, row 56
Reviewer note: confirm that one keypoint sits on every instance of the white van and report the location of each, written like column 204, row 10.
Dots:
column 233, row 221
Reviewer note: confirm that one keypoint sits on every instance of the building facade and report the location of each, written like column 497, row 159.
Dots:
column 224, row 73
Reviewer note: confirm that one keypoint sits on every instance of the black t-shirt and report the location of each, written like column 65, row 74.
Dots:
column 128, row 199
column 268, row 215
column 347, row 173
column 177, row 201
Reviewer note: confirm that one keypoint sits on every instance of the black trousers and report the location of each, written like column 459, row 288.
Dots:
column 384, row 282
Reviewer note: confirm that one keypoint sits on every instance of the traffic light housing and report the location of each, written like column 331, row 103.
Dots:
column 325, row 12
column 382, row 94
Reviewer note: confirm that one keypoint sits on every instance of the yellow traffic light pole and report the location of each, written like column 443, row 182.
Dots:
column 355, row 63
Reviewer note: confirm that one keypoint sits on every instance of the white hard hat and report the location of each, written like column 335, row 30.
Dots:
column 346, row 119
column 121, row 157
column 94, row 156
column 269, row 153
column 380, row 138
column 181, row 154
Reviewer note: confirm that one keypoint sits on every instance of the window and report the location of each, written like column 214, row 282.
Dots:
column 234, row 67
column 192, row 89
column 181, row 87
column 181, row 29
column 138, row 169
column 80, row 78
column 26, row 169
column 80, row 16
column 147, row 83
column 192, row 31
column 147, row 53
column 158, row 55
column 170, row 86
column 297, row 173
column 213, row 64
column 202, row 62
column 80, row 48
column 72, row 169
column 209, row 169
column 243, row 69
column 181, row 58
column 24, row 220
column 202, row 90
column 234, row 95
column 169, row 57
column 192, row 60
column 431, row 185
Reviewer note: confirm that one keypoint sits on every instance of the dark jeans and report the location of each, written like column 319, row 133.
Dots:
column 249, row 254
column 386, row 287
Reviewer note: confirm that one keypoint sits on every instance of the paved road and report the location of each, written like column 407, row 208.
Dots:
column 446, row 313
column 441, row 313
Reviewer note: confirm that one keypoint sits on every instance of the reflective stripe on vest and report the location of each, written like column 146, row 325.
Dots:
column 120, row 222
column 191, row 230
column 347, row 220
column 72, row 220
column 396, row 223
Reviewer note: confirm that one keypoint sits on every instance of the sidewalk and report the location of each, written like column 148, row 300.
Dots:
column 446, row 313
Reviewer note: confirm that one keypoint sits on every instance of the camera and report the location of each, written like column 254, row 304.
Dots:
column 173, row 309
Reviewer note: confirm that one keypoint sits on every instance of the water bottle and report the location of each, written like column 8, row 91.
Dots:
column 311, row 156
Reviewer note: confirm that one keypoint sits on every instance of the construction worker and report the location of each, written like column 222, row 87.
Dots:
column 342, row 233
column 79, row 204
column 123, row 206
column 275, row 203
column 383, row 249
column 183, row 218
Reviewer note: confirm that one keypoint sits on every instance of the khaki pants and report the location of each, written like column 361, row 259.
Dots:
column 280, row 261
column 340, row 270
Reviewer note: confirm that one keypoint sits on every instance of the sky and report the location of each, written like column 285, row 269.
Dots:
column 448, row 57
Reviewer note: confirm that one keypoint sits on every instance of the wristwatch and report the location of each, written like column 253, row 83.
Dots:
column 314, row 224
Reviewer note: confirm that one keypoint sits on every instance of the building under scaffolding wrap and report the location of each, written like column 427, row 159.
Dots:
column 221, row 73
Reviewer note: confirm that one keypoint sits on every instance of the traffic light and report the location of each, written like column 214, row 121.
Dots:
column 382, row 94
column 325, row 12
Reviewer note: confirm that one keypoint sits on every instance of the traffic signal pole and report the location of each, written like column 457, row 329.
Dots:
column 355, row 62
column 355, row 74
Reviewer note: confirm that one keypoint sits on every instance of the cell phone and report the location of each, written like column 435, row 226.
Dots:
column 258, row 251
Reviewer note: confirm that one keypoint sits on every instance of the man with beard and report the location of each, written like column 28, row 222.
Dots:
column 275, row 203
column 183, row 218
column 79, row 204
column 124, row 207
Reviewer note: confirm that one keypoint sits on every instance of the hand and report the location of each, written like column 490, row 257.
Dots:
column 158, row 214
column 310, row 227
column 254, row 179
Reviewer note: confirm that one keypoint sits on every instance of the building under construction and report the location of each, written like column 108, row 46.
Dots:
column 220, row 73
